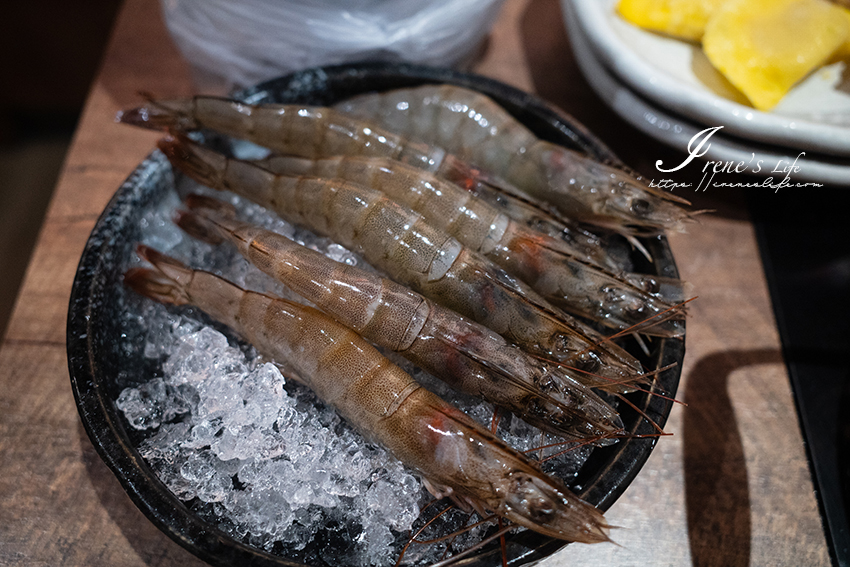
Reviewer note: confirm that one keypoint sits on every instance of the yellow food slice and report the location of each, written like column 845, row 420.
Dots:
column 764, row 47
column 684, row 19
column 844, row 51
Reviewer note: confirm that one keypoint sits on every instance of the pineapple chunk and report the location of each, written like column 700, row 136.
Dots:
column 844, row 51
column 764, row 47
column 685, row 19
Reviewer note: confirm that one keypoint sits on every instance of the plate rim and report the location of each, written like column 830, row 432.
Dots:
column 594, row 18
column 633, row 108
column 105, row 426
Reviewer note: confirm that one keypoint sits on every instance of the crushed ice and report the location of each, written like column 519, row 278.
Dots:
column 279, row 469
column 230, row 432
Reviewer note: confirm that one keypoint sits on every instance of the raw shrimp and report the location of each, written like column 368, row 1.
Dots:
column 311, row 132
column 305, row 131
column 319, row 132
column 399, row 242
column 455, row 456
column 520, row 208
column 552, row 269
column 543, row 218
column 475, row 128
column 468, row 356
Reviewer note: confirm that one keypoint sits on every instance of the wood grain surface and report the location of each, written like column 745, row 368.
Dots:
column 731, row 486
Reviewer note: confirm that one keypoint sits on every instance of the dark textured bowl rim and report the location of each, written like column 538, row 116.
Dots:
column 601, row 481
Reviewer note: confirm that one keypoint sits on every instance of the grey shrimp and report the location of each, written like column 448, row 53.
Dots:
column 468, row 356
column 305, row 131
column 319, row 132
column 399, row 242
column 475, row 128
column 548, row 265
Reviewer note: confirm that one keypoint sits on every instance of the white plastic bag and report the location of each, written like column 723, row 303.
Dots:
column 240, row 43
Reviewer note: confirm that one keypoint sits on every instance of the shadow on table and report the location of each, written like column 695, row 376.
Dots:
column 151, row 546
column 716, row 492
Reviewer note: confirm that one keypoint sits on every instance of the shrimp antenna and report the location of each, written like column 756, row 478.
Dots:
column 649, row 392
column 584, row 442
column 665, row 315
column 412, row 538
column 574, row 445
column 502, row 544
column 451, row 536
column 642, row 413
column 455, row 558
column 631, row 383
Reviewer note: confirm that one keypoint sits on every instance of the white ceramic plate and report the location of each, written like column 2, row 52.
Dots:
column 677, row 132
column 677, row 76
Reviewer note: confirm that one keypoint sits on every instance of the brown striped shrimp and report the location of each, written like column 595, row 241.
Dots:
column 469, row 357
column 305, row 131
column 589, row 247
column 544, row 218
column 552, row 268
column 398, row 241
column 476, row 129
column 455, row 456
column 319, row 132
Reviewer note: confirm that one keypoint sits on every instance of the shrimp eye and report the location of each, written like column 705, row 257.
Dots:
column 541, row 510
column 651, row 285
column 636, row 311
column 587, row 362
column 641, row 207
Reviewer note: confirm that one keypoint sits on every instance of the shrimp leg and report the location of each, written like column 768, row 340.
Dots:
column 455, row 455
column 399, row 242
column 466, row 355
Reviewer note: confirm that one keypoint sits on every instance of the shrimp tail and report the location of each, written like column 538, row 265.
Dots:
column 154, row 285
column 186, row 158
column 198, row 225
column 164, row 283
column 159, row 115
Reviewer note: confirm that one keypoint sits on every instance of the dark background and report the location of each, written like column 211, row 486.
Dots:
column 49, row 53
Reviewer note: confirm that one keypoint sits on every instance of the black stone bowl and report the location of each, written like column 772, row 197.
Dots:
column 101, row 362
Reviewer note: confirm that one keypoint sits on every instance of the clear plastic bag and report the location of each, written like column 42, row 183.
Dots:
column 238, row 44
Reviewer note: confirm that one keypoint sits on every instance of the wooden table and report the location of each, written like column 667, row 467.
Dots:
column 731, row 487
